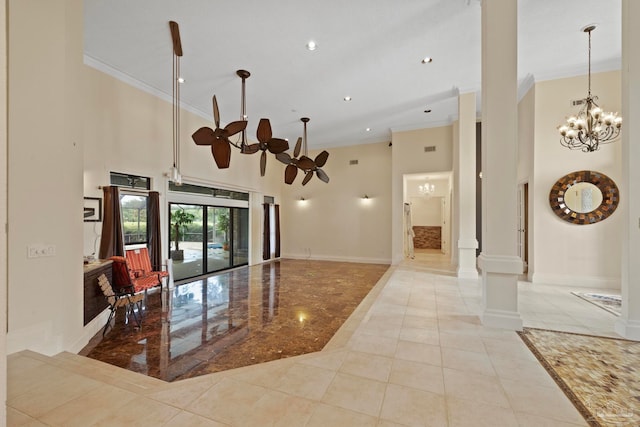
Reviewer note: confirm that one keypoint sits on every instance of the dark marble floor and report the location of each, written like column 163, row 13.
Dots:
column 238, row 318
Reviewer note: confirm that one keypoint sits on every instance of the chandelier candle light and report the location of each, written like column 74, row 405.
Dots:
column 426, row 189
column 591, row 126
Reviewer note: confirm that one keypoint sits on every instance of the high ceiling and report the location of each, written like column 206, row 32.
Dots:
column 370, row 50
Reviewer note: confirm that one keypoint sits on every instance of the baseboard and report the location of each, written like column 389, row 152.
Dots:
column 630, row 329
column 88, row 332
column 363, row 260
column 576, row 281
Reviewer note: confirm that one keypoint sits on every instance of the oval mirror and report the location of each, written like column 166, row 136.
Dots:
column 584, row 197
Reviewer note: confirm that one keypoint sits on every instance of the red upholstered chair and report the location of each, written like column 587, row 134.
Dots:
column 125, row 279
column 140, row 264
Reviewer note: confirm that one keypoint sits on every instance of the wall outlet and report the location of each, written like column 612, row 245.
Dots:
column 38, row 250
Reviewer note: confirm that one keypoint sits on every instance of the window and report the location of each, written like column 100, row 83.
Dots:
column 134, row 218
column 133, row 205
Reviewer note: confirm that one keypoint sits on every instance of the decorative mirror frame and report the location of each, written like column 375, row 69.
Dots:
column 610, row 197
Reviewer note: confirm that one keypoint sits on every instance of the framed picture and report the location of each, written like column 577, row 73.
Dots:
column 92, row 209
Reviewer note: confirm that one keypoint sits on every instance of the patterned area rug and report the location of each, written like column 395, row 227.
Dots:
column 601, row 376
column 611, row 303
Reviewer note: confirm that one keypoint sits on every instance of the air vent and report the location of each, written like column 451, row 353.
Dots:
column 577, row 102
column 429, row 148
column 353, row 162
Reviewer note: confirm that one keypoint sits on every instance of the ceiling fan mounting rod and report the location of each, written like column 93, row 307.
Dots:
column 244, row 75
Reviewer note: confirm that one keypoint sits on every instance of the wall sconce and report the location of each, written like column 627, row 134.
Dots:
column 302, row 199
column 365, row 197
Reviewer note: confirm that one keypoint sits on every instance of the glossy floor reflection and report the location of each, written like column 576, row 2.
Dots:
column 247, row 316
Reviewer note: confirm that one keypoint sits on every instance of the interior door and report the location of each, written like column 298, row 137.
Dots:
column 522, row 223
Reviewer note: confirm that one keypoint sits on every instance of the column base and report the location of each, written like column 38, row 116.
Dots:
column 630, row 329
column 502, row 319
column 467, row 259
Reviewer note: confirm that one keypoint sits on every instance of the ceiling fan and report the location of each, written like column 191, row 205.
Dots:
column 220, row 141
column 304, row 163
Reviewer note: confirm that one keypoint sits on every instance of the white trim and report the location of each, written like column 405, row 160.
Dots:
column 337, row 258
column 131, row 81
column 525, row 86
column 593, row 282
column 502, row 264
column 630, row 329
column 601, row 67
column 502, row 319
column 90, row 330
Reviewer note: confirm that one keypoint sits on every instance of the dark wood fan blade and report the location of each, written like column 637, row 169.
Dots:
column 175, row 38
column 250, row 149
column 322, row 175
column 290, row 173
column 321, row 159
column 263, row 163
column 296, row 151
column 284, row 158
column 235, row 127
column 277, row 145
column 264, row 130
column 204, row 136
column 216, row 112
column 306, row 163
column 221, row 151
column 307, row 177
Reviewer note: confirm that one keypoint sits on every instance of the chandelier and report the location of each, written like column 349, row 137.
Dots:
column 426, row 189
column 591, row 126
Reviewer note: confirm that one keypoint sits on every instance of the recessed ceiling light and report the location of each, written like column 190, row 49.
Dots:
column 368, row 129
column 312, row 45
column 180, row 80
column 347, row 98
column 427, row 59
column 427, row 111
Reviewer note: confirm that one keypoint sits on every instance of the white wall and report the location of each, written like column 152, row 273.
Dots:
column 335, row 222
column 45, row 147
column 409, row 157
column 582, row 255
column 3, row 209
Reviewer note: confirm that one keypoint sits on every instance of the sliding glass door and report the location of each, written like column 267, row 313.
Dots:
column 210, row 238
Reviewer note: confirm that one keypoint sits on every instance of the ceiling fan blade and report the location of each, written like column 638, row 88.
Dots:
column 306, row 163
column 296, row 151
column 290, row 173
column 250, row 149
column 216, row 112
column 221, row 151
column 263, row 163
column 175, row 38
column 264, row 130
column 203, row 136
column 322, row 175
column 284, row 158
column 235, row 127
column 321, row 159
column 307, row 177
column 277, row 145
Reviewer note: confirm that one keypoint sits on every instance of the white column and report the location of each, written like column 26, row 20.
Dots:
column 466, row 180
column 628, row 325
column 499, row 261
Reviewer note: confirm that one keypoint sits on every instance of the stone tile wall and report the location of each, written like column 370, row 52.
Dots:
column 427, row 237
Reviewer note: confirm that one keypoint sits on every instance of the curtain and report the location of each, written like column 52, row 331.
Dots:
column 112, row 238
column 155, row 247
column 276, row 214
column 266, row 234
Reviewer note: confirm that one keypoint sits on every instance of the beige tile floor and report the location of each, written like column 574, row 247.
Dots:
column 413, row 354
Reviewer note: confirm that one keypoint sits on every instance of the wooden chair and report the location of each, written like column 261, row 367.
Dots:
column 131, row 302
